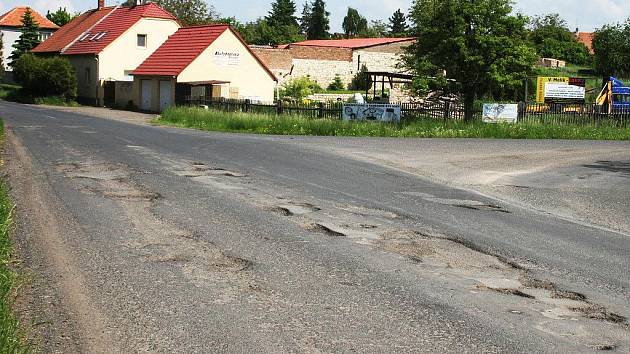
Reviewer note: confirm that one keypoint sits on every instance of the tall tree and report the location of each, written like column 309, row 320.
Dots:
column 305, row 19
column 611, row 44
column 29, row 37
column 553, row 39
column 282, row 14
column 354, row 23
column 398, row 24
column 59, row 17
column 318, row 22
column 376, row 29
column 479, row 43
column 1, row 55
column 190, row 12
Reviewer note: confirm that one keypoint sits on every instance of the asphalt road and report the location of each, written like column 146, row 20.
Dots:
column 152, row 239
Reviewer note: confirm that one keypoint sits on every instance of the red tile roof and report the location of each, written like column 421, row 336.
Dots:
column 114, row 25
column 13, row 18
column 71, row 31
column 586, row 38
column 352, row 43
column 183, row 47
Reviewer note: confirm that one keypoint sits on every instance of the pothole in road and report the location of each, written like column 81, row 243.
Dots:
column 459, row 203
column 294, row 208
column 324, row 229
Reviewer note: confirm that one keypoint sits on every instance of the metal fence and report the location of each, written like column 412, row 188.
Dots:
column 553, row 114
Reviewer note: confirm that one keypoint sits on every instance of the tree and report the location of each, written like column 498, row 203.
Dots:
column 318, row 22
column 354, row 23
column 41, row 77
column 282, row 14
column 552, row 38
column 336, row 85
column 398, row 24
column 361, row 81
column 376, row 29
column 299, row 88
column 1, row 55
column 305, row 19
column 476, row 42
column 260, row 32
column 29, row 37
column 189, row 12
column 611, row 44
column 59, row 17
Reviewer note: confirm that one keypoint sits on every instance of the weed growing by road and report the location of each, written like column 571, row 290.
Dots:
column 10, row 341
column 213, row 120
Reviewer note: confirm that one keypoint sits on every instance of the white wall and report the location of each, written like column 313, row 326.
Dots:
column 9, row 36
column 125, row 55
column 248, row 78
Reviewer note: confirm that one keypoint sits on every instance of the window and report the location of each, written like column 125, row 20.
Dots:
column 84, row 37
column 88, row 76
column 142, row 40
column 43, row 36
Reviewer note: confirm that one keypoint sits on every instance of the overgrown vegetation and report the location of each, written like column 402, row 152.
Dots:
column 611, row 44
column 552, row 38
column 212, row 120
column 10, row 339
column 299, row 88
column 44, row 79
column 336, row 85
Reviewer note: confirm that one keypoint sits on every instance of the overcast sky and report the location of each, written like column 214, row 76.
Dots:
column 585, row 14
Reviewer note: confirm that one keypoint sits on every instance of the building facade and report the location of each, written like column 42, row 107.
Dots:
column 10, row 24
column 323, row 60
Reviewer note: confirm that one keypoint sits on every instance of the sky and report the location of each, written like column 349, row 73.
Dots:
column 587, row 15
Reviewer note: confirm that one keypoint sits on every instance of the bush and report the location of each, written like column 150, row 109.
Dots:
column 300, row 88
column 42, row 77
column 361, row 81
column 336, row 85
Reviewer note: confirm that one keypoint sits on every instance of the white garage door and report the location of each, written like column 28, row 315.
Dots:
column 165, row 94
column 145, row 100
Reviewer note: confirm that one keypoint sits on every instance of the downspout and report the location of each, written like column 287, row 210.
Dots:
column 98, row 80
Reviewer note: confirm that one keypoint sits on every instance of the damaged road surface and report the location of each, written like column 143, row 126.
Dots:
column 148, row 239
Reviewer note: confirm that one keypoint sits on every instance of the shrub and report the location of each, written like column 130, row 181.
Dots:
column 336, row 85
column 42, row 77
column 361, row 81
column 300, row 88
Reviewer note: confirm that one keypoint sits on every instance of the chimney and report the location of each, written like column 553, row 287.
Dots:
column 101, row 4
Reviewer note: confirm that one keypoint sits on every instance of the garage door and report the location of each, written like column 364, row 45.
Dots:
column 145, row 100
column 165, row 94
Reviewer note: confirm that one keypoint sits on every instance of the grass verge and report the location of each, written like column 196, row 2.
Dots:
column 14, row 93
column 213, row 120
column 10, row 339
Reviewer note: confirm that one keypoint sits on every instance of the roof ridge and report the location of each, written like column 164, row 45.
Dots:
column 208, row 25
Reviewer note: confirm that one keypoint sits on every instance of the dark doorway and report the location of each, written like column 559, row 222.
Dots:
column 110, row 93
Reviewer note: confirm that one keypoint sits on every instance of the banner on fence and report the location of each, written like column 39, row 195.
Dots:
column 497, row 112
column 561, row 90
column 373, row 112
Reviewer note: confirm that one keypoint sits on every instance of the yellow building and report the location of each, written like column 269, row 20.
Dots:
column 211, row 61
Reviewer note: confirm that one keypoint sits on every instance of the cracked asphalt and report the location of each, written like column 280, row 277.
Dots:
column 153, row 239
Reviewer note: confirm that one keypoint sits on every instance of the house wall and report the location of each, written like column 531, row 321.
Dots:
column 9, row 36
column 247, row 77
column 123, row 55
column 88, row 89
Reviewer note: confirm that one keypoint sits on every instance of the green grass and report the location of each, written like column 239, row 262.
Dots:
column 213, row 120
column 10, row 338
column 14, row 93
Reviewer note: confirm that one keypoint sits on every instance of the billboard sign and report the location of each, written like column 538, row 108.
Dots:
column 500, row 113
column 372, row 112
column 560, row 90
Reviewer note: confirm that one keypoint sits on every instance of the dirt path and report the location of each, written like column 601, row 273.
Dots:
column 55, row 300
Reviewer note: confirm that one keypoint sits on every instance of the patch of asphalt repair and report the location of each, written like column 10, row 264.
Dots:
column 557, row 312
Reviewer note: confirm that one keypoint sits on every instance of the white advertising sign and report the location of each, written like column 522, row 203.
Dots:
column 497, row 112
column 373, row 112
column 222, row 58
column 563, row 91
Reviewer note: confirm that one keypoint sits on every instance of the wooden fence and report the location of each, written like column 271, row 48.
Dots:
column 556, row 114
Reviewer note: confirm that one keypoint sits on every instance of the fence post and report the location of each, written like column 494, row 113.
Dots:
column 447, row 110
column 247, row 103
column 279, row 107
column 320, row 109
column 221, row 101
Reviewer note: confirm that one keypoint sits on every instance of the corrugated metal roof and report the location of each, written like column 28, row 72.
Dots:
column 352, row 43
column 183, row 47
column 13, row 18
column 71, row 31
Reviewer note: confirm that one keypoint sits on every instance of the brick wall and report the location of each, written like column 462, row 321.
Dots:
column 321, row 53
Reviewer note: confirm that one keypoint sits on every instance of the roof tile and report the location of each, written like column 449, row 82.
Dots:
column 13, row 18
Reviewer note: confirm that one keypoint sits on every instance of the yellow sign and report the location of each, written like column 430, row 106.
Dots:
column 540, row 86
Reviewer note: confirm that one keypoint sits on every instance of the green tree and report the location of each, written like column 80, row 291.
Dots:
column 354, row 23
column 376, row 29
column 190, row 12
column 299, row 88
column 29, row 37
column 361, row 81
column 1, row 55
column 336, row 85
column 318, row 21
column 282, row 14
column 305, row 19
column 611, row 44
column 398, row 24
column 552, row 38
column 59, row 17
column 260, row 32
column 41, row 77
column 479, row 43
